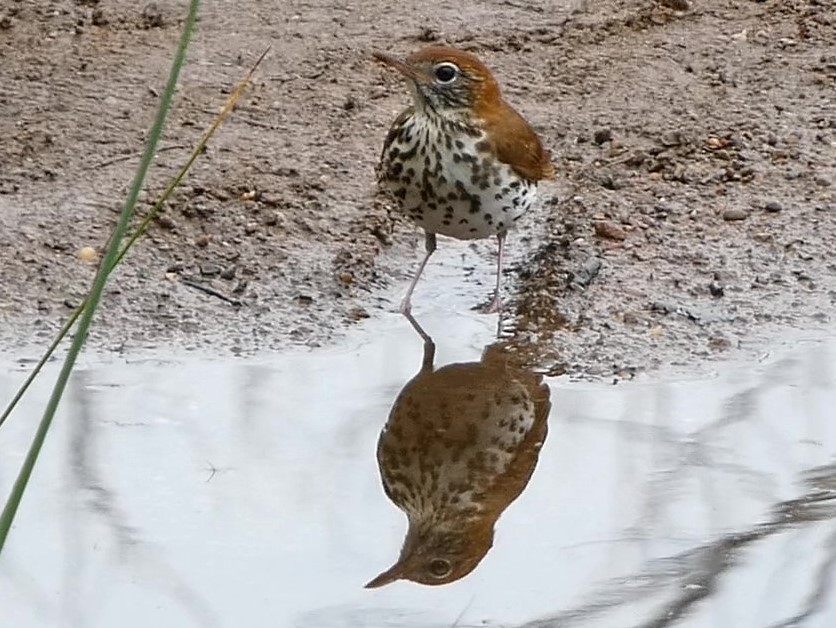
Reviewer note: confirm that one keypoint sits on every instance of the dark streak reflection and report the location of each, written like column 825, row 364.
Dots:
column 459, row 446
column 90, row 486
column 694, row 575
column 85, row 478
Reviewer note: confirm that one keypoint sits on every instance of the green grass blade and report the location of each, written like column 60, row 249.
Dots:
column 112, row 254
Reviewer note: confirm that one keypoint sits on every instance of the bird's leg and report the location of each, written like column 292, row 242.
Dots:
column 496, row 303
column 406, row 304
column 420, row 331
column 429, row 350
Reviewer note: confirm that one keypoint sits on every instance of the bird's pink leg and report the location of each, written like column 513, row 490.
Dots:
column 406, row 304
column 495, row 305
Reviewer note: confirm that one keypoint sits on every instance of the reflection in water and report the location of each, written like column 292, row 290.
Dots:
column 199, row 492
column 460, row 445
column 90, row 490
column 683, row 580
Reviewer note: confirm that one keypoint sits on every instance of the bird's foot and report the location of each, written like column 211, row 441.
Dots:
column 494, row 307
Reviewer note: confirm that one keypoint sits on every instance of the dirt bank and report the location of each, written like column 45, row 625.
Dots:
column 694, row 212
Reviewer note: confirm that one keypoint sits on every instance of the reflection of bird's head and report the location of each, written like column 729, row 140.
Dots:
column 436, row 555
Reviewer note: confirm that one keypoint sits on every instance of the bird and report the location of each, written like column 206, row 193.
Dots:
column 460, row 161
column 459, row 446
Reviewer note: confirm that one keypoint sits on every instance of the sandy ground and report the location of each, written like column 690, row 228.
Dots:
column 694, row 213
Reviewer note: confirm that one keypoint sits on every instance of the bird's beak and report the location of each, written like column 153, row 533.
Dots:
column 395, row 572
column 401, row 66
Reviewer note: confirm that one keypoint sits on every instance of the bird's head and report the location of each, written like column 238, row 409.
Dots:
column 446, row 81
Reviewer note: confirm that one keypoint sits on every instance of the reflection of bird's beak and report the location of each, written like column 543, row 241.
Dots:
column 401, row 66
column 395, row 572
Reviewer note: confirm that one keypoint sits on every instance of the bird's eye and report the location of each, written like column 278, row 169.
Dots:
column 446, row 72
column 440, row 568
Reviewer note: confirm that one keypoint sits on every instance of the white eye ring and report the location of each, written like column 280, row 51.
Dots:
column 446, row 72
column 440, row 568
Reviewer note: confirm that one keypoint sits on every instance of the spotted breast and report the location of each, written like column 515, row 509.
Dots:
column 447, row 179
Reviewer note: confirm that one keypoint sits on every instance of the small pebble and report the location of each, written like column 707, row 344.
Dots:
column 88, row 255
column 602, row 136
column 734, row 214
column 358, row 313
column 610, row 230
column 210, row 270
column 719, row 343
column 98, row 18
column 152, row 16
column 773, row 206
column 165, row 221
column 228, row 272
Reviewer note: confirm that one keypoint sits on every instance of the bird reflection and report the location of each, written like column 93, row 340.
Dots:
column 460, row 444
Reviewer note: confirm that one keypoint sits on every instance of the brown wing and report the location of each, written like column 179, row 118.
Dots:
column 517, row 144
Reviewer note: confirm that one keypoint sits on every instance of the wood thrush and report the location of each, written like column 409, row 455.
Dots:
column 460, row 161
column 460, row 445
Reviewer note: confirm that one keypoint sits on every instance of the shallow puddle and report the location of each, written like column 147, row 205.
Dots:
column 182, row 490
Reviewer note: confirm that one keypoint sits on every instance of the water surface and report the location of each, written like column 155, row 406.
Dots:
column 186, row 490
